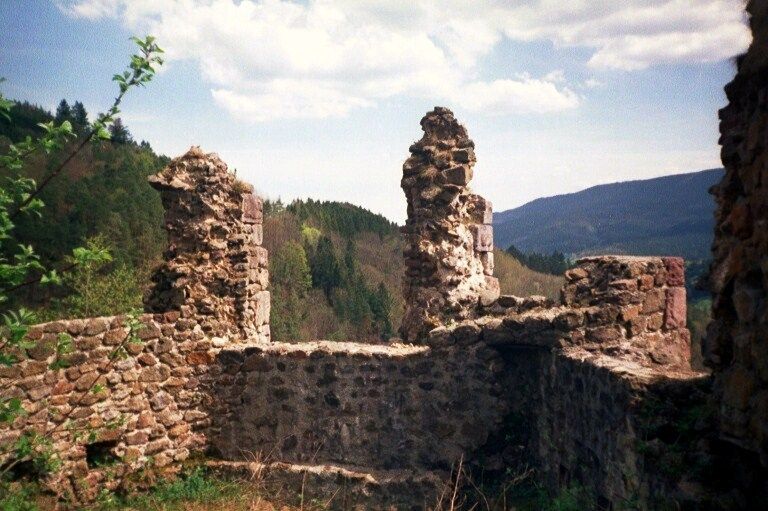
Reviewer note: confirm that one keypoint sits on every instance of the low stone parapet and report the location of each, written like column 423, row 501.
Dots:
column 380, row 407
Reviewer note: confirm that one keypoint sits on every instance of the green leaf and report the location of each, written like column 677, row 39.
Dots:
column 102, row 133
column 10, row 409
column 51, row 278
column 7, row 360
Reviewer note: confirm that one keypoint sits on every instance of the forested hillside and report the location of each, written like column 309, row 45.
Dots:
column 335, row 268
column 335, row 271
column 670, row 215
column 103, row 200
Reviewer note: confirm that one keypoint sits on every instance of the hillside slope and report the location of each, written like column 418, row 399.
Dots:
column 367, row 250
column 670, row 215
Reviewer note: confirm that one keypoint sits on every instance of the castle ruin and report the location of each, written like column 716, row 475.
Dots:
column 596, row 390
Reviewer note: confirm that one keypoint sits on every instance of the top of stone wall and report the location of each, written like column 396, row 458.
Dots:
column 312, row 349
column 192, row 171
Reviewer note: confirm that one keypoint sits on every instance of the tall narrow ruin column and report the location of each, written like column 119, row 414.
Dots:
column 448, row 234
column 215, row 269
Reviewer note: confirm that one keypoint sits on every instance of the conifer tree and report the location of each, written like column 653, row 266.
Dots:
column 326, row 273
column 63, row 112
column 291, row 279
column 119, row 133
column 79, row 118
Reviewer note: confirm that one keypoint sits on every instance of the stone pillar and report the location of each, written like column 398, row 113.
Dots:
column 633, row 308
column 737, row 342
column 215, row 269
column 448, row 234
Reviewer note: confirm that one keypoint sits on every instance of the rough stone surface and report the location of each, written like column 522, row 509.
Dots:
column 737, row 341
column 448, row 230
column 379, row 407
column 138, row 408
column 206, row 213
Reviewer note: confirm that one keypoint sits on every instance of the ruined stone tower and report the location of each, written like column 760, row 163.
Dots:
column 448, row 234
column 215, row 269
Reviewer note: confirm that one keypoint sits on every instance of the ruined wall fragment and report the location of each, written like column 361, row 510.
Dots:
column 376, row 407
column 633, row 307
column 215, row 268
column 737, row 341
column 137, row 396
column 448, row 234
column 139, row 391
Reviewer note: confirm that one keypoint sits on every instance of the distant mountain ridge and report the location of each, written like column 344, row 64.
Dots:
column 669, row 215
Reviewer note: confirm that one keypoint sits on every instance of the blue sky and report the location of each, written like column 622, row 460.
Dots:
column 322, row 98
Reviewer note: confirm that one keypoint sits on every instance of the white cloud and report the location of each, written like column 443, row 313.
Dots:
column 636, row 34
column 511, row 96
column 556, row 76
column 90, row 9
column 324, row 58
column 289, row 99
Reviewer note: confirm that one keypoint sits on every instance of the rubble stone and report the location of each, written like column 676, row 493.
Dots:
column 206, row 212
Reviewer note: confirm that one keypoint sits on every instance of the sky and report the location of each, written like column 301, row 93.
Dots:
column 322, row 98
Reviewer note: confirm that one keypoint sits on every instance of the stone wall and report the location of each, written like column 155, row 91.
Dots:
column 634, row 308
column 215, row 268
column 372, row 407
column 139, row 390
column 448, row 233
column 131, row 395
column 625, row 431
column 494, row 382
column 737, row 342
column 580, row 374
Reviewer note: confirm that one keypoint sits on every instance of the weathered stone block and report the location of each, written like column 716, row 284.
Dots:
column 675, row 267
column 257, row 236
column 676, row 308
column 465, row 155
column 252, row 209
column 654, row 301
column 96, row 326
column 575, row 274
column 491, row 292
column 459, row 175
column 262, row 308
column 483, row 237
column 486, row 258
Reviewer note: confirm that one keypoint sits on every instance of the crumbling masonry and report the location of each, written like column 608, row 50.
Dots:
column 448, row 233
column 737, row 347
column 595, row 391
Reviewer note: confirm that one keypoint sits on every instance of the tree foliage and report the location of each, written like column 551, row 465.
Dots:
column 118, row 133
column 341, row 217
column 291, row 279
column 345, row 300
column 20, row 197
column 555, row 263
column 326, row 272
